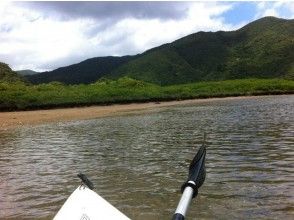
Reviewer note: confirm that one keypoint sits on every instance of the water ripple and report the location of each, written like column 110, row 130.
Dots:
column 139, row 162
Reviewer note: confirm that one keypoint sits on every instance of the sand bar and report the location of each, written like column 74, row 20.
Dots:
column 10, row 120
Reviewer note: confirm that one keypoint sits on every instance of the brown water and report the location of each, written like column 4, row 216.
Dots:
column 138, row 162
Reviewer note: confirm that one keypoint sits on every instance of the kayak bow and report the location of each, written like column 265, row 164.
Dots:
column 85, row 204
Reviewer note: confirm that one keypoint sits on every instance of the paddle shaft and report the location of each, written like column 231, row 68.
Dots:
column 184, row 204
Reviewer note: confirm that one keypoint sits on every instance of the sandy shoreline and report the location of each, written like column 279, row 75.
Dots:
column 10, row 120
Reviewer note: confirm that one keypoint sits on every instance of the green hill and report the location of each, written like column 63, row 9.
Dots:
column 26, row 72
column 87, row 71
column 7, row 75
column 261, row 49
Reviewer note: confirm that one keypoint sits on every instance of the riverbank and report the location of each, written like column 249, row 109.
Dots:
column 20, row 96
column 10, row 120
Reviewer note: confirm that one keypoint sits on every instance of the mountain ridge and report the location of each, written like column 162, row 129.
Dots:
column 261, row 49
column 86, row 71
column 26, row 72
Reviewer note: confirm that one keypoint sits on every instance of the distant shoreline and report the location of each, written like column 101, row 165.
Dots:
column 22, row 97
column 9, row 120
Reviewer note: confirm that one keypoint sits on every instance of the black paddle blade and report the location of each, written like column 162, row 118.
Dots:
column 197, row 170
column 86, row 181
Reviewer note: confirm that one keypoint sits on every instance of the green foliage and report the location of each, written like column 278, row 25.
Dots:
column 87, row 71
column 7, row 75
column 160, row 67
column 19, row 96
column 26, row 72
column 261, row 49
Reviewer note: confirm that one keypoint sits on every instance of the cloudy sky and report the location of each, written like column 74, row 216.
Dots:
column 46, row 35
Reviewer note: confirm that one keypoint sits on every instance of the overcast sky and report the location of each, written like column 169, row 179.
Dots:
column 47, row 35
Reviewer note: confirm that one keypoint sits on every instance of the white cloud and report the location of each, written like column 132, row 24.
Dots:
column 150, row 33
column 276, row 9
column 30, row 40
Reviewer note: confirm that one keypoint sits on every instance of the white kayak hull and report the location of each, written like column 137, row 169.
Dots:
column 85, row 204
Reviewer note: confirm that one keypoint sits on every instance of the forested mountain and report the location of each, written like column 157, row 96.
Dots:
column 7, row 75
column 261, row 49
column 26, row 72
column 86, row 71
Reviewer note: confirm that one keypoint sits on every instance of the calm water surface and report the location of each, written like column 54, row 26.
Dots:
column 139, row 161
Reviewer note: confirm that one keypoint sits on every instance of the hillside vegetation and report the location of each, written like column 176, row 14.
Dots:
column 26, row 72
column 7, row 75
column 261, row 49
column 86, row 72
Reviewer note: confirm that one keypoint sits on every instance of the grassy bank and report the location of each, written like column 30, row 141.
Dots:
column 19, row 96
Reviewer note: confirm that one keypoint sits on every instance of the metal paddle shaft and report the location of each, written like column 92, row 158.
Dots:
column 195, row 180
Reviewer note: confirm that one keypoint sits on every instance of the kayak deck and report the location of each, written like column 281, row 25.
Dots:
column 85, row 204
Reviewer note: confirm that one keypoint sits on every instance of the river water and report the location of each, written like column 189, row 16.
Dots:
column 139, row 161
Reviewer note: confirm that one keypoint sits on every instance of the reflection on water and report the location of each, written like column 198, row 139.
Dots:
column 138, row 162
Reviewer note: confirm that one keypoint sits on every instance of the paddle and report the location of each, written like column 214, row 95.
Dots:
column 190, row 188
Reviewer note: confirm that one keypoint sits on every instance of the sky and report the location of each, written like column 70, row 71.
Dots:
column 43, row 36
